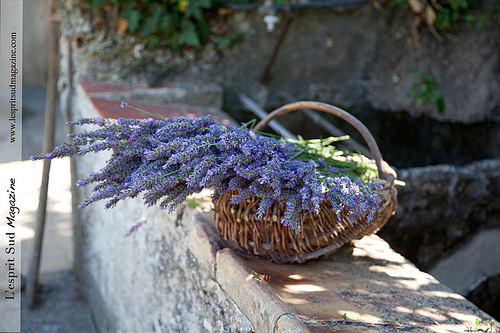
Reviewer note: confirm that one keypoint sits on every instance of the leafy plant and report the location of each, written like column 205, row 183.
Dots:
column 491, row 324
column 223, row 42
column 485, row 18
column 476, row 326
column 450, row 12
column 174, row 22
column 477, row 323
column 447, row 14
column 426, row 90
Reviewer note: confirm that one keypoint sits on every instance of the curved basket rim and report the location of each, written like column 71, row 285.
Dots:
column 386, row 175
column 384, row 170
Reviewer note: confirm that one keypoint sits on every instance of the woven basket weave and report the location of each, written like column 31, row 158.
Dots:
column 321, row 233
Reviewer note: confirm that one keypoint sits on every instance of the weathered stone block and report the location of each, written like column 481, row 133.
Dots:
column 441, row 206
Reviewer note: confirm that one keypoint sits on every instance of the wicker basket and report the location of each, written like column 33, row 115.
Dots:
column 321, row 233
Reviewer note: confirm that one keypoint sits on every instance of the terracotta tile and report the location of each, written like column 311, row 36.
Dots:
column 94, row 86
column 111, row 109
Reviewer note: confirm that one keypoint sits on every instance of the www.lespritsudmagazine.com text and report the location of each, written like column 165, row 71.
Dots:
column 13, row 86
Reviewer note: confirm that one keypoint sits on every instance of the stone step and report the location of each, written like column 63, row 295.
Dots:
column 178, row 92
column 173, row 100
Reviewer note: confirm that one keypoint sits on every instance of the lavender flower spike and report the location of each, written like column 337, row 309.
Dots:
column 135, row 226
column 167, row 160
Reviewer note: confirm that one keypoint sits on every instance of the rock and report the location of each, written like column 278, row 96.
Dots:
column 441, row 206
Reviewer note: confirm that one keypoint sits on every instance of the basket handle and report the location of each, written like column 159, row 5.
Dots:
column 384, row 170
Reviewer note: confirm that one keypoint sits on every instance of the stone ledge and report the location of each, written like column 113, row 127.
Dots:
column 251, row 292
column 441, row 208
column 192, row 93
column 106, row 97
column 376, row 288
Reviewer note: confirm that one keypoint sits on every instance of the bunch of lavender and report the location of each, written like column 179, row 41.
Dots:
column 168, row 160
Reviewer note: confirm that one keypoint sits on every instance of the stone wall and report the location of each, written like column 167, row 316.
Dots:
column 355, row 57
column 442, row 206
column 360, row 58
column 152, row 281
column 447, row 223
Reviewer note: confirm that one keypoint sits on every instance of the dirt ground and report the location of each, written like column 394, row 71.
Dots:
column 61, row 306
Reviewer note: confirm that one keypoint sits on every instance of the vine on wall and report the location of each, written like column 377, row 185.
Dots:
column 447, row 14
column 171, row 23
column 176, row 23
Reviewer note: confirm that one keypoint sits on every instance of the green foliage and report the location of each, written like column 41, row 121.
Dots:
column 452, row 11
column 494, row 10
column 193, row 203
column 338, row 162
column 171, row 22
column 344, row 319
column 223, row 42
column 477, row 323
column 484, row 19
column 491, row 324
column 447, row 14
column 476, row 326
column 426, row 90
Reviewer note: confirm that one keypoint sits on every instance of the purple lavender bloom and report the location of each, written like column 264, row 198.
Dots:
column 123, row 105
column 168, row 160
column 135, row 226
